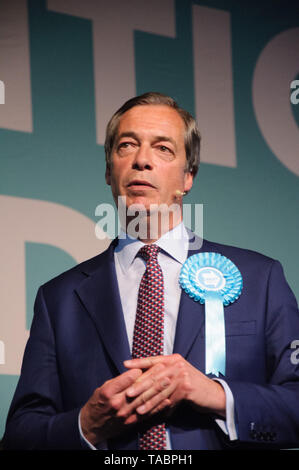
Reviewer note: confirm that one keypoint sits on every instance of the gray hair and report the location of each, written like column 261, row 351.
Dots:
column 192, row 134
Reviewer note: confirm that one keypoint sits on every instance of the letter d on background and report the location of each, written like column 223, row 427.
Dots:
column 35, row 221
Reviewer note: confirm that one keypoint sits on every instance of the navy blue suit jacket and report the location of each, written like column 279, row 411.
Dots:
column 78, row 341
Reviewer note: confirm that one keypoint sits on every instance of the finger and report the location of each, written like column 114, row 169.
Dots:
column 139, row 388
column 147, row 362
column 143, row 362
column 154, row 401
column 121, row 382
column 125, row 403
column 162, row 406
column 131, row 419
column 145, row 381
column 168, row 382
column 178, row 394
column 127, row 408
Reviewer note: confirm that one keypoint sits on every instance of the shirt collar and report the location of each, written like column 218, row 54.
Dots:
column 174, row 243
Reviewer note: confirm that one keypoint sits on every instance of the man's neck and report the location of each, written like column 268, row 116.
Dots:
column 150, row 229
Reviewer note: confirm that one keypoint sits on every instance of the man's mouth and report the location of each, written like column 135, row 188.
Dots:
column 140, row 184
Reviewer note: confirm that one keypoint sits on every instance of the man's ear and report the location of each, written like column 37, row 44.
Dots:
column 108, row 175
column 188, row 181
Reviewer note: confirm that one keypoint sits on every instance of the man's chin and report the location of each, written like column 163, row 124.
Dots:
column 141, row 204
column 144, row 206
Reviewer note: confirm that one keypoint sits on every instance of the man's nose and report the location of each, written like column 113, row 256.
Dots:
column 143, row 159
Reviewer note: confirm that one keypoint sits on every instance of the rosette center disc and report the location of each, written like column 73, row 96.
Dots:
column 209, row 278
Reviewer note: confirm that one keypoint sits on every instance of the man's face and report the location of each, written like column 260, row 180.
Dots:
column 148, row 158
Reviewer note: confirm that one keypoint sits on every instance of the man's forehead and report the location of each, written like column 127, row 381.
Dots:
column 153, row 117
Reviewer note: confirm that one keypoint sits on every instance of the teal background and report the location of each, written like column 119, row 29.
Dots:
column 254, row 205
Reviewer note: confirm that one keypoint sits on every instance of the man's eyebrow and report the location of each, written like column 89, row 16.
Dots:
column 127, row 134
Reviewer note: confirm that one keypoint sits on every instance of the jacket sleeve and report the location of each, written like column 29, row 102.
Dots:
column 36, row 419
column 269, row 413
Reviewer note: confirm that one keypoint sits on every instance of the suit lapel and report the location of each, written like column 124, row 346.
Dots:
column 191, row 314
column 99, row 294
column 189, row 324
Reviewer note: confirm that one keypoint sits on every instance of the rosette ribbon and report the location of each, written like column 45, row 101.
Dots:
column 214, row 280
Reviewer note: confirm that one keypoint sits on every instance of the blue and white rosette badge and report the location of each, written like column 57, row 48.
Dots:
column 213, row 280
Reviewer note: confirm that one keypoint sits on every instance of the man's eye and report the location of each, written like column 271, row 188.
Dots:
column 125, row 146
column 164, row 149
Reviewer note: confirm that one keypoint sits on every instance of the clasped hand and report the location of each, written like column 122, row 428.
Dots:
column 150, row 385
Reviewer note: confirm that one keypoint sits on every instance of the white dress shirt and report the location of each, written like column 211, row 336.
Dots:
column 130, row 269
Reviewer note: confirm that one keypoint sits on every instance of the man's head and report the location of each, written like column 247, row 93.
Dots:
column 152, row 152
column 191, row 138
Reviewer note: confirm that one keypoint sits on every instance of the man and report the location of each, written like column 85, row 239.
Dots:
column 79, row 387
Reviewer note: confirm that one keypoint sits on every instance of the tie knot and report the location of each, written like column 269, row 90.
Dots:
column 149, row 252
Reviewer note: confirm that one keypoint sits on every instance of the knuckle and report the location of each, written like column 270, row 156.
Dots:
column 163, row 384
column 131, row 377
column 180, row 364
column 177, row 356
column 158, row 367
column 144, row 397
column 186, row 386
column 115, row 403
column 186, row 376
column 122, row 413
column 104, row 392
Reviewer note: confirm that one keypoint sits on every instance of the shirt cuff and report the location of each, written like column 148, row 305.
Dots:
column 228, row 425
column 101, row 446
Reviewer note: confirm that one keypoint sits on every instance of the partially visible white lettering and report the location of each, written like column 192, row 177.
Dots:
column 2, row 353
column 16, row 114
column 2, row 92
column 133, row 221
column 276, row 65
column 295, row 354
column 154, row 17
column 213, row 81
column 169, row 459
column 29, row 220
column 295, row 94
